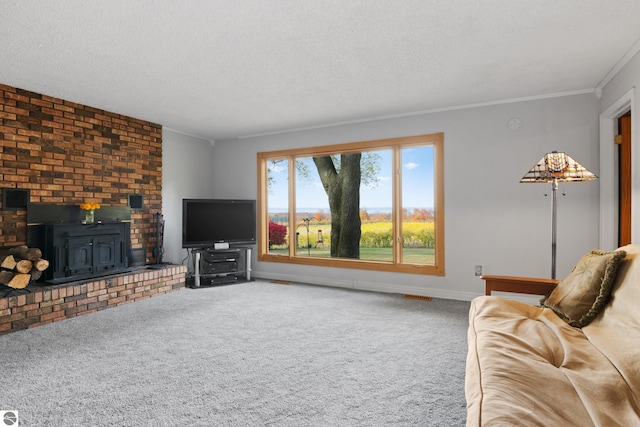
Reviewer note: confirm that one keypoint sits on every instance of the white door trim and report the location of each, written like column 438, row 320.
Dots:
column 608, row 172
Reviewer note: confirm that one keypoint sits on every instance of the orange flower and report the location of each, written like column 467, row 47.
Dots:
column 89, row 206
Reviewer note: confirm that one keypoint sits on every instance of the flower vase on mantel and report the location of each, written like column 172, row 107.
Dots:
column 90, row 217
column 90, row 212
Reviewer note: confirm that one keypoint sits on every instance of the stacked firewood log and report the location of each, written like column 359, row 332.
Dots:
column 21, row 265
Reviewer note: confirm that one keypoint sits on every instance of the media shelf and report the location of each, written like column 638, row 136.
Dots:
column 217, row 267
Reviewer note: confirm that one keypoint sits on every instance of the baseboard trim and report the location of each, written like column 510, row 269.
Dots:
column 366, row 286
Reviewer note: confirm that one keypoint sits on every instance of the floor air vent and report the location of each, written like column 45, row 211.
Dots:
column 282, row 282
column 420, row 297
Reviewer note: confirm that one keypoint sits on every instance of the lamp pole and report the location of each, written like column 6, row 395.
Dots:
column 555, row 167
column 554, row 224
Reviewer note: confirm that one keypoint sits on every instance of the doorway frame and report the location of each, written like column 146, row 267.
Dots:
column 608, row 232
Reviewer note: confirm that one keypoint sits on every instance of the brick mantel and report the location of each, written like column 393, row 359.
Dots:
column 68, row 153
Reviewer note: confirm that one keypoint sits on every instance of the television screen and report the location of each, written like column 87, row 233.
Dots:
column 209, row 221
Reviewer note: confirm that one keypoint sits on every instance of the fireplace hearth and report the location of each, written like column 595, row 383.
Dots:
column 45, row 303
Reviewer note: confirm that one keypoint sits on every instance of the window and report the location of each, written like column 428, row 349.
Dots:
column 374, row 205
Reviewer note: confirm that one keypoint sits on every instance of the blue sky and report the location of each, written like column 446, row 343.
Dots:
column 417, row 178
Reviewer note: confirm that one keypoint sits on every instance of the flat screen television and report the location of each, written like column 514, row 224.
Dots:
column 209, row 221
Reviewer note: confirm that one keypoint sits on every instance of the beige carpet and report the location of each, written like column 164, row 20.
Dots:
column 253, row 354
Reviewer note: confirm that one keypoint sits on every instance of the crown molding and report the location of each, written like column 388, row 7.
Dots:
column 421, row 112
column 202, row 138
column 635, row 48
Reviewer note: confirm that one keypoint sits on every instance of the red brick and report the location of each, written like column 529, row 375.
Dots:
column 16, row 301
column 51, row 302
column 13, row 317
column 25, row 323
column 39, row 311
column 97, row 293
column 63, row 108
column 97, row 305
column 135, row 296
column 25, row 307
column 117, row 288
column 72, row 311
column 52, row 315
column 42, row 103
column 87, row 301
column 115, row 301
column 5, row 115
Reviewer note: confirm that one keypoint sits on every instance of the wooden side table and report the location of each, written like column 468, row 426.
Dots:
column 521, row 285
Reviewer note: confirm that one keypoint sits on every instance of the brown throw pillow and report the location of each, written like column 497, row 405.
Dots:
column 580, row 296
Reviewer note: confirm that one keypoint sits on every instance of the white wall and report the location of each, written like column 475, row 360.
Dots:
column 187, row 172
column 490, row 219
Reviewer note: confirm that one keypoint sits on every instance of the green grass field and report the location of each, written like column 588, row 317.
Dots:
column 410, row 255
column 375, row 244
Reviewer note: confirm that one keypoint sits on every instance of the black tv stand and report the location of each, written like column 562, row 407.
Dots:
column 217, row 267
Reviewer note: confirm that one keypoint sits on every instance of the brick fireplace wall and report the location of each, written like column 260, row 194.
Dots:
column 68, row 153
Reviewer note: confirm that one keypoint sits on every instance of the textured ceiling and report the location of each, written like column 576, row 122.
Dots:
column 222, row 69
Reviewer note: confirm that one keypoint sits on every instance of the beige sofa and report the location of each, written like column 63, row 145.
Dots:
column 527, row 366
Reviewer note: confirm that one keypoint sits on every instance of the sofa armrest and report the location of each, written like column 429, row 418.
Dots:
column 521, row 285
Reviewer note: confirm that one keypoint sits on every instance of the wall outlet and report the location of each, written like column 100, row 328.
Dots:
column 478, row 270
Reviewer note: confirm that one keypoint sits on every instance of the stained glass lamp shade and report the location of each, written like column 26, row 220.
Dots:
column 556, row 167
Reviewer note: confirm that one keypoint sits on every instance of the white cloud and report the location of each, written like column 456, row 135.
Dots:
column 275, row 168
column 411, row 165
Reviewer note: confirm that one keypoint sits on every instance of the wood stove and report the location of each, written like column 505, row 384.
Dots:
column 78, row 250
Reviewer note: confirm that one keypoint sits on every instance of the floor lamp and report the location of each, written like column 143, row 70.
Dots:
column 556, row 167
